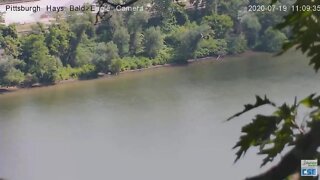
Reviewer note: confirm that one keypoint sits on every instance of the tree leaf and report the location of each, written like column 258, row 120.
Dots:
column 311, row 101
column 247, row 107
column 256, row 133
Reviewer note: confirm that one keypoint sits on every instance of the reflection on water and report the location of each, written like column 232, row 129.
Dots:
column 161, row 124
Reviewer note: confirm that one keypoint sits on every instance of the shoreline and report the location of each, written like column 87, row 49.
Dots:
column 5, row 90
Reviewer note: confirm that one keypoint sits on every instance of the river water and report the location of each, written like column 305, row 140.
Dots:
column 160, row 124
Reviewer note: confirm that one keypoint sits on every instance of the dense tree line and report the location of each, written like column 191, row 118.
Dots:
column 73, row 47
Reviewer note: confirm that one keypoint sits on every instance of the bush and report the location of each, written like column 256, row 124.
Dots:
column 173, row 39
column 146, row 62
column 189, row 42
column 133, row 66
column 115, row 66
column 206, row 48
column 13, row 78
column 87, row 71
column 220, row 24
column 142, row 62
column 30, row 79
column 128, row 63
column 153, row 42
column 83, row 55
column 165, row 55
column 155, row 62
column 65, row 73
column 237, row 44
column 103, row 55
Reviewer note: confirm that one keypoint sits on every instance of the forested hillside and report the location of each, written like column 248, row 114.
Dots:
column 73, row 47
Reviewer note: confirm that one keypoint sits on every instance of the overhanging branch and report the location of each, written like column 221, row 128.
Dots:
column 306, row 148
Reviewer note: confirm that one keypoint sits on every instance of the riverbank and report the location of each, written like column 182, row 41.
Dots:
column 4, row 90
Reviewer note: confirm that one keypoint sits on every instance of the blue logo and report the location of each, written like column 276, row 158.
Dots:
column 309, row 172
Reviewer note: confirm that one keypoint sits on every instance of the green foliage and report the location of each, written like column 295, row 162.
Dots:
column 13, row 78
column 46, row 70
column 153, row 41
column 10, row 73
column 10, row 46
column 162, row 7
column 58, row 38
column 270, row 19
column 188, row 43
column 10, row 31
column 103, row 56
column 30, row 79
column 81, row 23
column 136, row 21
column 164, row 56
column 115, row 66
column 131, row 38
column 232, row 8
column 252, row 28
column 32, row 45
column 168, row 23
column 275, row 132
column 248, row 107
column 86, row 71
column 237, row 44
column 305, row 27
column 272, row 40
column 38, row 61
column 121, row 39
column 270, row 133
column 136, row 43
column 65, row 73
column 81, row 27
column 106, row 29
column 220, row 24
column 180, row 15
column 38, row 28
column 283, row 128
column 143, row 63
column 84, row 55
column 210, row 47
column 172, row 39
column 132, row 63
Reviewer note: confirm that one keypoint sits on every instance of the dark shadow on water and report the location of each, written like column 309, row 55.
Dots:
column 2, row 91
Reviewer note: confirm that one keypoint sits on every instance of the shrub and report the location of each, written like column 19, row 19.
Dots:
column 86, row 71
column 63, row 73
column 13, row 78
column 237, row 44
column 155, row 62
column 133, row 66
column 207, row 47
column 165, row 55
column 30, row 79
column 115, row 66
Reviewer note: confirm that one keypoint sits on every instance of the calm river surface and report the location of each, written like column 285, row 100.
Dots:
column 162, row 124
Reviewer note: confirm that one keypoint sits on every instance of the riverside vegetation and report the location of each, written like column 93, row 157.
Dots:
column 74, row 48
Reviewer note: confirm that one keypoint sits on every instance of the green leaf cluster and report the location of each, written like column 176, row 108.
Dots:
column 272, row 133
